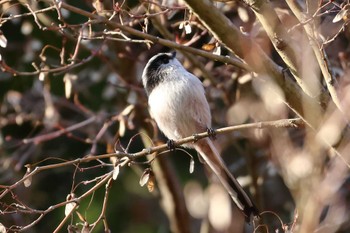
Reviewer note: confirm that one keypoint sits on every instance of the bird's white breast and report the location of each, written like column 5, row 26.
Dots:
column 179, row 106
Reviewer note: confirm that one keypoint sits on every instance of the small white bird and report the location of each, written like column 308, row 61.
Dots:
column 178, row 104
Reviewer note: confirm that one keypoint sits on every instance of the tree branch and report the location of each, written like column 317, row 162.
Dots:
column 285, row 123
column 318, row 52
column 154, row 39
column 283, row 45
column 227, row 33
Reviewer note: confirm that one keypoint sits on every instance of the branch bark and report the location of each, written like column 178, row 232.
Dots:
column 284, row 46
column 285, row 123
column 244, row 47
column 318, row 51
column 154, row 39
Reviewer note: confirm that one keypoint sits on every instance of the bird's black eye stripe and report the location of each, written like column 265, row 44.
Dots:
column 158, row 61
column 152, row 71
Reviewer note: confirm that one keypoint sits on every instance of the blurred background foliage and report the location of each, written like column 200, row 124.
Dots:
column 58, row 73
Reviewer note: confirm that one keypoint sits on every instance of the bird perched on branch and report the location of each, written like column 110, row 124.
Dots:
column 178, row 104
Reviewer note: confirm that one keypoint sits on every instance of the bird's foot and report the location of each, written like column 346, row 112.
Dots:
column 171, row 145
column 211, row 133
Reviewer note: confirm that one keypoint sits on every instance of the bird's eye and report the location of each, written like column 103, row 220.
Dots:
column 165, row 61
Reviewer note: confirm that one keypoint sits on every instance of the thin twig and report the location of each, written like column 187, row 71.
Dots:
column 49, row 136
column 224, row 59
column 318, row 52
column 285, row 123
column 34, row 15
column 4, row 19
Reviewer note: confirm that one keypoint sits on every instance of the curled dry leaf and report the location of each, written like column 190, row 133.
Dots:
column 2, row 228
column 151, row 183
column 122, row 127
column 68, row 83
column 181, row 26
column 209, row 46
column 68, row 87
column 343, row 14
column 28, row 181
column 98, row 5
column 243, row 14
column 188, row 28
column 145, row 176
column 42, row 76
column 3, row 40
column 123, row 119
column 71, row 205
column 191, row 165
column 145, row 28
column 217, row 50
column 128, row 110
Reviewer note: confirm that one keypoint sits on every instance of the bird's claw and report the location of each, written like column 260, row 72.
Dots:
column 171, row 145
column 211, row 133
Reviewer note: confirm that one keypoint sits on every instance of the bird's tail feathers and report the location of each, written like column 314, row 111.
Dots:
column 211, row 156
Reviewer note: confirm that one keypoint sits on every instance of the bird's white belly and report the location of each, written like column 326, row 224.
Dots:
column 175, row 107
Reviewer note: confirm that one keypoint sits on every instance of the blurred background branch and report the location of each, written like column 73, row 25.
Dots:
column 77, row 144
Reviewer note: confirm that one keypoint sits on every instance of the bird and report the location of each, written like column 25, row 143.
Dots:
column 177, row 103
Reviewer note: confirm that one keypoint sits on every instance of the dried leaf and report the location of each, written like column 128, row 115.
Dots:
column 146, row 23
column 191, row 165
column 116, row 172
column 181, row 26
column 150, row 183
column 68, row 87
column 98, row 5
column 2, row 228
column 128, row 110
column 217, row 50
column 68, row 83
column 145, row 177
column 28, row 181
column 188, row 28
column 71, row 205
column 208, row 47
column 243, row 14
column 42, row 76
column 122, row 127
column 343, row 14
column 3, row 40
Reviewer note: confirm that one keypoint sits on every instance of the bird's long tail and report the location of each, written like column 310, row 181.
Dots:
column 211, row 156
